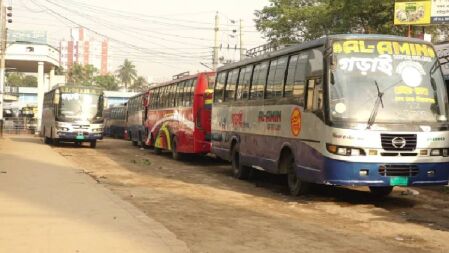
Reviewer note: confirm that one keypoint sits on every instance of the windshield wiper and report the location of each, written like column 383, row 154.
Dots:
column 372, row 117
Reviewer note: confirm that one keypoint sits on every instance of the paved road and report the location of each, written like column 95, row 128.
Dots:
column 48, row 205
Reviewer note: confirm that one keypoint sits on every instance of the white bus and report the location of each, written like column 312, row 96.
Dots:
column 356, row 110
column 72, row 114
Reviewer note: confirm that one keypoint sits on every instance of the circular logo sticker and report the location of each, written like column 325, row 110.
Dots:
column 295, row 121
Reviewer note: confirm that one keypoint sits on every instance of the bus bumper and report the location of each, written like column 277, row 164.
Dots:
column 380, row 174
column 78, row 137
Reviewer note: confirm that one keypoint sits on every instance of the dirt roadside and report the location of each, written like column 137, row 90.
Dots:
column 199, row 201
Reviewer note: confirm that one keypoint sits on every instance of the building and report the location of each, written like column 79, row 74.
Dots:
column 84, row 48
column 29, row 52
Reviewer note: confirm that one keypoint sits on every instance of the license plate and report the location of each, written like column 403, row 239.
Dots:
column 80, row 137
column 399, row 181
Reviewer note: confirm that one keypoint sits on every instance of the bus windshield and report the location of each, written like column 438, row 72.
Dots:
column 386, row 82
column 78, row 107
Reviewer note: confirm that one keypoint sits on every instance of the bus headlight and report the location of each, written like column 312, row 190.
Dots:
column 97, row 130
column 345, row 151
column 62, row 129
column 439, row 152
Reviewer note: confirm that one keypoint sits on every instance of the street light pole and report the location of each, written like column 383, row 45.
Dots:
column 2, row 56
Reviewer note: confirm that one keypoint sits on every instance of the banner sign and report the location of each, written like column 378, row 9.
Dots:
column 440, row 12
column 412, row 12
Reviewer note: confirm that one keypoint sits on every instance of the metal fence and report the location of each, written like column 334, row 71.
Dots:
column 18, row 125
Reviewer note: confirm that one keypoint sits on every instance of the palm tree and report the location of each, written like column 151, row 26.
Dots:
column 127, row 73
column 139, row 84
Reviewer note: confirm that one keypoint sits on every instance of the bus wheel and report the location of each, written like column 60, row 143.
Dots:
column 174, row 152
column 239, row 171
column 295, row 184
column 93, row 144
column 381, row 191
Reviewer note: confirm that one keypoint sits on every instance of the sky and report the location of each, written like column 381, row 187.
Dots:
column 161, row 37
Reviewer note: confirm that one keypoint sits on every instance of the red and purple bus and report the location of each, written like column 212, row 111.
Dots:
column 179, row 115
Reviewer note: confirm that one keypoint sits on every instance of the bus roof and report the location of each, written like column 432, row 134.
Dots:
column 181, row 79
column 317, row 43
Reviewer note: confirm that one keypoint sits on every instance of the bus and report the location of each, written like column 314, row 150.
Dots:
column 72, row 114
column 135, row 119
column 179, row 115
column 344, row 110
column 115, row 121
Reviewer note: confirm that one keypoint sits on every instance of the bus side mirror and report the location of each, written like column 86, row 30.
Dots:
column 332, row 78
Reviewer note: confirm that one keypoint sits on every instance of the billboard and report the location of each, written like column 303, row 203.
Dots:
column 440, row 12
column 37, row 37
column 412, row 12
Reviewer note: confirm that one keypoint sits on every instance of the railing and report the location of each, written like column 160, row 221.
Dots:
column 18, row 125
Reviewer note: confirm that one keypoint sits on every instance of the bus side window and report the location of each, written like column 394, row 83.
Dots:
column 180, row 93
column 231, row 85
column 296, row 75
column 219, row 87
column 244, row 82
column 276, row 77
column 173, row 94
column 259, row 80
column 187, row 95
column 193, row 83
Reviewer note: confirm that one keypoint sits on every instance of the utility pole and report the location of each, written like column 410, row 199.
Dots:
column 242, row 51
column 2, row 57
column 216, row 42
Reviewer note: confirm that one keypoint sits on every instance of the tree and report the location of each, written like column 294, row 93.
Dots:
column 127, row 73
column 20, row 80
column 29, row 81
column 82, row 75
column 14, row 79
column 107, row 82
column 140, row 84
column 290, row 21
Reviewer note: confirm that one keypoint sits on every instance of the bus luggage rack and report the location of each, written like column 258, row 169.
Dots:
column 398, row 142
column 398, row 170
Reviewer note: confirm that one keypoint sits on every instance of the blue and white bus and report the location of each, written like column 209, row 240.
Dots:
column 354, row 110
column 72, row 114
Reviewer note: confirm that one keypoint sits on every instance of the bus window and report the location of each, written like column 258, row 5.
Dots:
column 276, row 77
column 180, row 93
column 259, row 80
column 244, row 82
column 296, row 76
column 172, row 95
column 219, row 87
column 187, row 98
column 231, row 85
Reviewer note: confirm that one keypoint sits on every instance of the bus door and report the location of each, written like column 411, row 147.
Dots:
column 314, row 96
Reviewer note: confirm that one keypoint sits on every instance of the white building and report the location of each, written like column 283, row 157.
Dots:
column 84, row 48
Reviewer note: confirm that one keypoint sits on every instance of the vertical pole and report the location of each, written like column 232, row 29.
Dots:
column 40, row 94
column 2, row 56
column 409, row 31
column 242, row 51
column 216, row 42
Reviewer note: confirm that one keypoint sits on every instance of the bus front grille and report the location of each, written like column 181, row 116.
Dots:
column 398, row 142
column 398, row 170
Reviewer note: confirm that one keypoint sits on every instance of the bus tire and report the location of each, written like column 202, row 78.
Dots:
column 174, row 153
column 93, row 144
column 295, row 185
column 381, row 191
column 238, row 170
